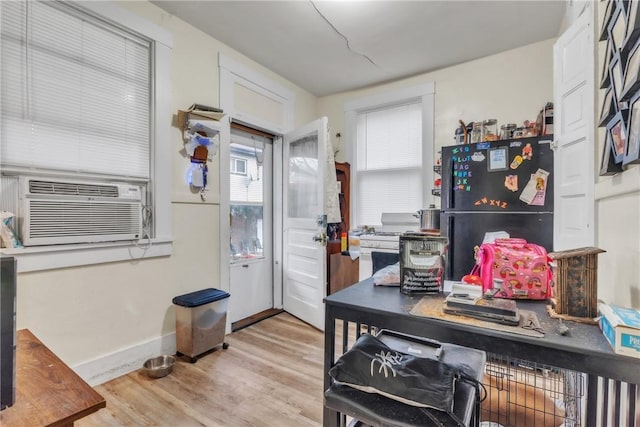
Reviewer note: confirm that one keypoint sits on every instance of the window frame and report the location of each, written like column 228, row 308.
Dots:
column 234, row 170
column 425, row 94
column 59, row 256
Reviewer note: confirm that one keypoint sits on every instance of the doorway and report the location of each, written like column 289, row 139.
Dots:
column 273, row 260
column 250, row 159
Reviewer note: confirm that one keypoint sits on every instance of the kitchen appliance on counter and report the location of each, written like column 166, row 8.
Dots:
column 386, row 240
column 504, row 185
column 422, row 263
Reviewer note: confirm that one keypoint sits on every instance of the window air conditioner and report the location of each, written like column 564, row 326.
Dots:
column 57, row 211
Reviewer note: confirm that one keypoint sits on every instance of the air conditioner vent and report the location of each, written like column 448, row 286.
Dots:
column 72, row 189
column 50, row 219
column 59, row 212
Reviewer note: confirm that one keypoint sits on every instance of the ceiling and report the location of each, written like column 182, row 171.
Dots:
column 328, row 47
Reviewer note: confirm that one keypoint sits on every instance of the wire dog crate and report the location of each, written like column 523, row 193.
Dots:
column 522, row 393
column 526, row 394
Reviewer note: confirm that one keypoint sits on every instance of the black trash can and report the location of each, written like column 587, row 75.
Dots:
column 201, row 319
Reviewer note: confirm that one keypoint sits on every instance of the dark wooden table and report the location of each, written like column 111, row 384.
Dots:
column 48, row 392
column 584, row 349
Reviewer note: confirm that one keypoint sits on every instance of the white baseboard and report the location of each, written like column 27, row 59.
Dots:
column 122, row 362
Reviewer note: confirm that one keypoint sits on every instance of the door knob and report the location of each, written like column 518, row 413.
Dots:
column 321, row 237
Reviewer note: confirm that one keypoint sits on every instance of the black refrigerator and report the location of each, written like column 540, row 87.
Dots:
column 495, row 186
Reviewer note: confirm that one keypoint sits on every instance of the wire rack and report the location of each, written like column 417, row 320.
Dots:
column 526, row 394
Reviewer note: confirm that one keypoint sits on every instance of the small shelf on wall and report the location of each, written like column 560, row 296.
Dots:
column 343, row 175
column 342, row 271
column 437, row 168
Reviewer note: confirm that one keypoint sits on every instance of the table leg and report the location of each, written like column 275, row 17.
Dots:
column 592, row 396
column 330, row 417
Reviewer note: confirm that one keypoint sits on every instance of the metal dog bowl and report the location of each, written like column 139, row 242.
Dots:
column 160, row 366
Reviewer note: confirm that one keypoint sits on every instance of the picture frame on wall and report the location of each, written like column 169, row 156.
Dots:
column 633, row 24
column 606, row 17
column 624, row 4
column 607, row 111
column 617, row 28
column 617, row 136
column 605, row 79
column 608, row 166
column 617, row 75
column 632, row 73
column 632, row 150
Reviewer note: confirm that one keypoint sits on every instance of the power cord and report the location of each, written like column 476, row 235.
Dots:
column 147, row 215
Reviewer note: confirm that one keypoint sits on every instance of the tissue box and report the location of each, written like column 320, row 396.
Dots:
column 621, row 327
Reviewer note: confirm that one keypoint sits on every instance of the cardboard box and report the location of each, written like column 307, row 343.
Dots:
column 185, row 116
column 621, row 327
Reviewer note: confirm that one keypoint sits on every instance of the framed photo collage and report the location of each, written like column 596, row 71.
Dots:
column 620, row 81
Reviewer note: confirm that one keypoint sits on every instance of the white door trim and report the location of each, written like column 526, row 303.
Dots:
column 235, row 75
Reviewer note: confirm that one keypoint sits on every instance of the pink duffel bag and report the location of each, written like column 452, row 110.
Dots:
column 514, row 269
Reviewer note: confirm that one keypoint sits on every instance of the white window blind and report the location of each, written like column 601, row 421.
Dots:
column 76, row 92
column 388, row 161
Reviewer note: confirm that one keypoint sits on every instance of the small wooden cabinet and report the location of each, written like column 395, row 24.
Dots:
column 343, row 175
column 342, row 271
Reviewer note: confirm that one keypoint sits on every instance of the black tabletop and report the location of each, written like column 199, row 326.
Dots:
column 583, row 349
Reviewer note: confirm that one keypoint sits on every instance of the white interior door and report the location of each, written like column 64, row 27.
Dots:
column 574, row 167
column 251, row 225
column 304, row 255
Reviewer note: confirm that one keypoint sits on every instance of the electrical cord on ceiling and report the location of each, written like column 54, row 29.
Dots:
column 341, row 35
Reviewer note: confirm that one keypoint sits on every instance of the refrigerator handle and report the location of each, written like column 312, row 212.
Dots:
column 447, row 199
column 449, row 232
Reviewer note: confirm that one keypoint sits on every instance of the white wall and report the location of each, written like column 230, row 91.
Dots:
column 89, row 314
column 617, row 214
column 511, row 87
column 618, row 232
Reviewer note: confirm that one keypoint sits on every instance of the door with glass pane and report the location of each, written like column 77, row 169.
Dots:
column 250, row 216
column 304, row 252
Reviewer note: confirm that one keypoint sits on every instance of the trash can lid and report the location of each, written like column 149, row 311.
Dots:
column 197, row 298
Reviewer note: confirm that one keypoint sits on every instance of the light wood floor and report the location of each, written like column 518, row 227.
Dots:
column 271, row 375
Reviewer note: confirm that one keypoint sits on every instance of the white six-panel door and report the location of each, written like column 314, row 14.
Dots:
column 574, row 135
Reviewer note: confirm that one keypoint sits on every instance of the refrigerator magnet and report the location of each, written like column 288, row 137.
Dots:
column 535, row 190
column 498, row 159
column 511, row 182
column 517, row 161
